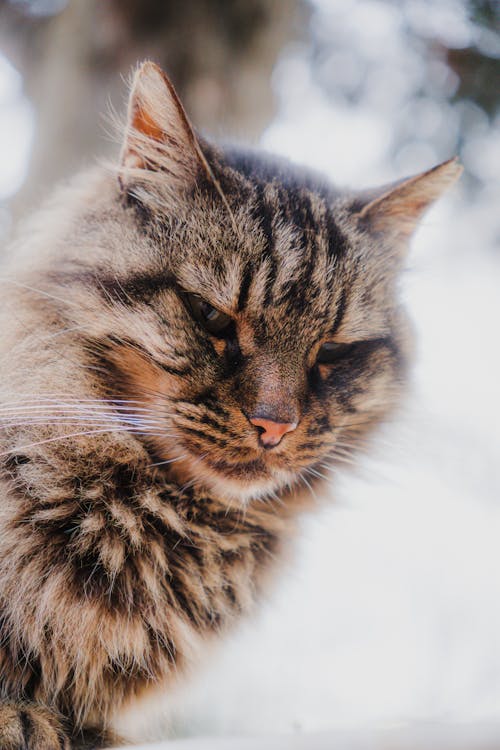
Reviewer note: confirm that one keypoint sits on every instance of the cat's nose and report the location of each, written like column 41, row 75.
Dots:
column 271, row 432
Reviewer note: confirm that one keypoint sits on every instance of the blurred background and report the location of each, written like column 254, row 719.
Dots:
column 391, row 612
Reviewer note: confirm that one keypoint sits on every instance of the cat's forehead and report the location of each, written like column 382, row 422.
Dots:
column 279, row 255
column 279, row 250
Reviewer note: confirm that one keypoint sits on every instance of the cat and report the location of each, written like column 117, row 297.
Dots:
column 190, row 339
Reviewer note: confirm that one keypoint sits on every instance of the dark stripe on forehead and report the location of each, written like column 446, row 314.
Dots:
column 309, row 239
column 300, row 209
column 337, row 243
column 246, row 280
column 272, row 269
column 140, row 287
column 295, row 294
column 298, row 212
column 129, row 290
column 339, row 315
column 264, row 212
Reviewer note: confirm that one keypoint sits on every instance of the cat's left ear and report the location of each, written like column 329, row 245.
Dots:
column 158, row 135
column 394, row 211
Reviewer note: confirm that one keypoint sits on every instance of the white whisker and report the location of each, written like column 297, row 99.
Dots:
column 314, row 472
column 63, row 331
column 54, row 440
column 114, row 426
column 38, row 291
column 168, row 461
column 308, row 485
column 79, row 415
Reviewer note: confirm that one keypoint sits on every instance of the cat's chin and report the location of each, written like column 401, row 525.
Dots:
column 244, row 491
column 258, row 477
column 241, row 483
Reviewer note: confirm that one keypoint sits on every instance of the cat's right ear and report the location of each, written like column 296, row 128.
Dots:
column 393, row 212
column 158, row 135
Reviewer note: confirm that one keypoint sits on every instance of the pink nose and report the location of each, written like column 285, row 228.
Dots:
column 273, row 431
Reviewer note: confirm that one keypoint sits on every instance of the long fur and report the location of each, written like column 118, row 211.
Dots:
column 139, row 514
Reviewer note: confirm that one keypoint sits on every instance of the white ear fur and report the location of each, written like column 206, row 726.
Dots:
column 396, row 211
column 158, row 135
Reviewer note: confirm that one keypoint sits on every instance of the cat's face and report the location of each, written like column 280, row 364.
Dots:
column 259, row 324
column 280, row 344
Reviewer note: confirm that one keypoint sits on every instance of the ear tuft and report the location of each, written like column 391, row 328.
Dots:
column 397, row 209
column 158, row 135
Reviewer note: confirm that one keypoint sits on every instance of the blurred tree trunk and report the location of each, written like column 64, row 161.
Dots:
column 219, row 53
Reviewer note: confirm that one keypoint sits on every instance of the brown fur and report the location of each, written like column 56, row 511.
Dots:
column 139, row 514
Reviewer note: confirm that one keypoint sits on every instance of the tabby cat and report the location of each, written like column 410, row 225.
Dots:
column 189, row 340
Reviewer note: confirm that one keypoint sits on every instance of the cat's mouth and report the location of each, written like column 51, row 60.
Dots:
column 243, row 477
column 232, row 466
column 243, row 470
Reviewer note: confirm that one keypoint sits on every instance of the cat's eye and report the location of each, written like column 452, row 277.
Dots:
column 215, row 321
column 331, row 352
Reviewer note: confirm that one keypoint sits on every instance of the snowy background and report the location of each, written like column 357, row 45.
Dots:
column 391, row 612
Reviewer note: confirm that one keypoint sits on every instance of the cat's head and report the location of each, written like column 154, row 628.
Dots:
column 252, row 310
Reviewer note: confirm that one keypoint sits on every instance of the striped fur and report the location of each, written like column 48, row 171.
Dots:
column 139, row 515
